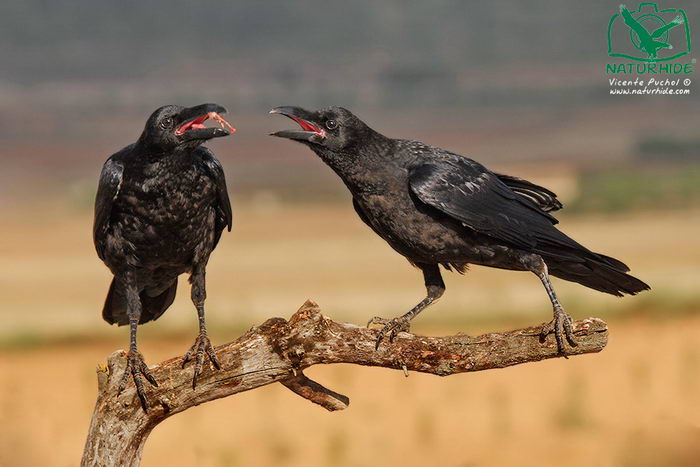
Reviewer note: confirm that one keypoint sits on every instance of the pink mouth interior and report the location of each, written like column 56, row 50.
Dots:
column 198, row 123
column 306, row 126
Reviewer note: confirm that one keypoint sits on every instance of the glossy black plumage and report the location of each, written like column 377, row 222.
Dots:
column 440, row 208
column 160, row 209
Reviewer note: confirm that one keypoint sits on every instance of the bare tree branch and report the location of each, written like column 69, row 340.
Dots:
column 311, row 390
column 279, row 351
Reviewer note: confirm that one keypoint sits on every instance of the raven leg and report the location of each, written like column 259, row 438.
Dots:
column 562, row 324
column 202, row 346
column 435, row 288
column 135, row 364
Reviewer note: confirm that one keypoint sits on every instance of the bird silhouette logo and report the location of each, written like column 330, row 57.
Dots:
column 649, row 34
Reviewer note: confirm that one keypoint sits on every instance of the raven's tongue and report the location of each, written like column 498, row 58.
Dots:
column 193, row 124
column 197, row 123
column 306, row 126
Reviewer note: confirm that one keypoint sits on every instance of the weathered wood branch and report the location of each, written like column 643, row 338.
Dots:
column 279, row 351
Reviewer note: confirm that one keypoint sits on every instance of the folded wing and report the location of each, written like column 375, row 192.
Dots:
column 107, row 191
column 212, row 166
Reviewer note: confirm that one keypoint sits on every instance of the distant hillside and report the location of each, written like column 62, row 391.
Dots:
column 76, row 55
column 83, row 39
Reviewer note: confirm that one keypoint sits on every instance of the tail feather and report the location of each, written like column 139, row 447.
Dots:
column 154, row 302
column 596, row 274
column 615, row 263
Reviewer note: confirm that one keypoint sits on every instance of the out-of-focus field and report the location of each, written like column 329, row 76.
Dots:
column 635, row 404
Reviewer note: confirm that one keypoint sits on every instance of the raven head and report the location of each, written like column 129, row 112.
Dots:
column 332, row 128
column 172, row 126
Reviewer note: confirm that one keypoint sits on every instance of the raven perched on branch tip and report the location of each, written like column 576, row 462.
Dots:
column 439, row 208
column 160, row 209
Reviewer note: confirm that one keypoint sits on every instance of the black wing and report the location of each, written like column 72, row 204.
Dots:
column 107, row 191
column 468, row 192
column 224, row 215
column 544, row 198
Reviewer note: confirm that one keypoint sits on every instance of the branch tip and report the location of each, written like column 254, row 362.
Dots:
column 309, row 310
column 316, row 393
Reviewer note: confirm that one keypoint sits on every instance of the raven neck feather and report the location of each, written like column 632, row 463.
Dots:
column 359, row 164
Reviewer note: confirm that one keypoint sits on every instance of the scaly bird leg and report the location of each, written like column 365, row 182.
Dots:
column 562, row 324
column 135, row 364
column 202, row 346
column 435, row 288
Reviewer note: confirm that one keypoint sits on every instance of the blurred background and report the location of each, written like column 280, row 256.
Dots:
column 519, row 86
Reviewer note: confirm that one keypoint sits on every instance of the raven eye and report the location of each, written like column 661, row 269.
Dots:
column 331, row 124
column 166, row 123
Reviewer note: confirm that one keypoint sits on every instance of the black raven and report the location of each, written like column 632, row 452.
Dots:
column 439, row 208
column 160, row 209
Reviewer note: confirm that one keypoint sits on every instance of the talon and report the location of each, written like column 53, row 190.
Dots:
column 391, row 328
column 377, row 320
column 136, row 367
column 562, row 328
column 201, row 347
column 569, row 331
column 186, row 358
column 547, row 329
column 212, row 357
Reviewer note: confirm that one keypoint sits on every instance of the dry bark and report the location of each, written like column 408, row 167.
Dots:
column 279, row 351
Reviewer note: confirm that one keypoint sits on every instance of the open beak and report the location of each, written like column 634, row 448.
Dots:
column 309, row 131
column 192, row 123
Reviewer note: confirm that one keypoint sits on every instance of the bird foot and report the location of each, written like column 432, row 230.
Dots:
column 391, row 327
column 201, row 347
column 136, row 367
column 562, row 327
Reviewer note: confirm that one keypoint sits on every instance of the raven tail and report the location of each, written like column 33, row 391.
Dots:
column 154, row 302
column 605, row 275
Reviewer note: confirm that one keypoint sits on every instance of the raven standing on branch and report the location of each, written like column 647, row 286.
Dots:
column 439, row 208
column 160, row 209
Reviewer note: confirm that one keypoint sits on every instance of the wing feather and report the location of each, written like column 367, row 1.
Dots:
column 481, row 201
column 541, row 196
column 223, row 204
column 107, row 191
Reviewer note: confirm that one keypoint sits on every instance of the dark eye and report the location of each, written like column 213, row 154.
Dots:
column 166, row 123
column 331, row 124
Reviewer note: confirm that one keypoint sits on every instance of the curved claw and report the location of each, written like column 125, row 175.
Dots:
column 562, row 328
column 136, row 367
column 391, row 328
column 201, row 347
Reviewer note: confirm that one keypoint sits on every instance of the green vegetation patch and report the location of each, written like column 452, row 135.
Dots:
column 628, row 189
